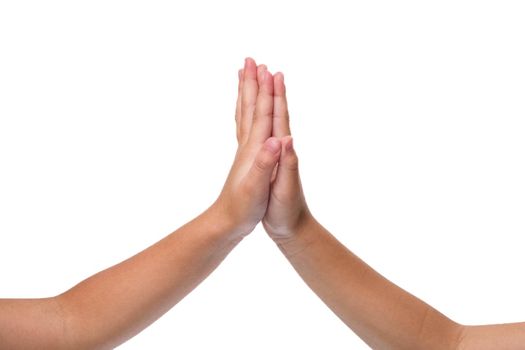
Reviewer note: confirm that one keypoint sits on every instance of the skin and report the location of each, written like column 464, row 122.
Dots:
column 263, row 185
column 112, row 306
column 382, row 314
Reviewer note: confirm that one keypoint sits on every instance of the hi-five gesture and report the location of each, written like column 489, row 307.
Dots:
column 264, row 185
column 257, row 188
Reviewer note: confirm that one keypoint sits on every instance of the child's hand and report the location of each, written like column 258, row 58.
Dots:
column 287, row 209
column 244, row 198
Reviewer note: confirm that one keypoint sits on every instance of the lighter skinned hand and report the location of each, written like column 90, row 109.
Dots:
column 245, row 196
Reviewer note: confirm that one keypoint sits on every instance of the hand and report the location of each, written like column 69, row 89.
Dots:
column 244, row 198
column 287, row 210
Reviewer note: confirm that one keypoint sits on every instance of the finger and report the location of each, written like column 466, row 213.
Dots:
column 262, row 120
column 281, row 119
column 248, row 97
column 258, row 179
column 238, row 114
column 287, row 181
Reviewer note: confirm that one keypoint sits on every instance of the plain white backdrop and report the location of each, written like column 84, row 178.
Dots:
column 117, row 127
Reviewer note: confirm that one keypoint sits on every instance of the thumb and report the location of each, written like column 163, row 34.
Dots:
column 287, row 181
column 260, row 174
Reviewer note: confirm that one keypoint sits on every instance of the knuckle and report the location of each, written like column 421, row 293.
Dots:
column 263, row 162
column 261, row 165
column 262, row 115
column 282, row 116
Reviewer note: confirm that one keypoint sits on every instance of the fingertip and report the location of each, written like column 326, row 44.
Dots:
column 250, row 67
column 273, row 144
column 261, row 73
column 265, row 79
column 278, row 83
column 288, row 157
column 287, row 143
column 248, row 61
column 268, row 81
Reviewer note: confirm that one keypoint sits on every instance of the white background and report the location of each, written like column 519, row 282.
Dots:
column 116, row 127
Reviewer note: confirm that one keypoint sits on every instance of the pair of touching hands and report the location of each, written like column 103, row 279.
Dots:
column 263, row 183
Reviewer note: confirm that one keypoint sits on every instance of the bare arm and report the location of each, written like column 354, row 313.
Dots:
column 114, row 305
column 382, row 314
column 379, row 312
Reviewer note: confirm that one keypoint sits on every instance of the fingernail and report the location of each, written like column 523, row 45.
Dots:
column 248, row 61
column 268, row 76
column 280, row 86
column 240, row 74
column 273, row 144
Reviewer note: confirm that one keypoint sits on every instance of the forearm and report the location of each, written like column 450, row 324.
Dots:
column 378, row 311
column 113, row 305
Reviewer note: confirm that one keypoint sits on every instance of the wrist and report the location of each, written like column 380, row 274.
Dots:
column 226, row 222
column 300, row 237
column 285, row 225
column 220, row 225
